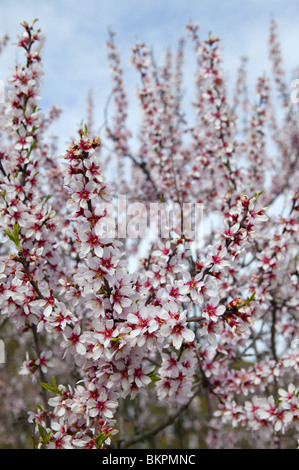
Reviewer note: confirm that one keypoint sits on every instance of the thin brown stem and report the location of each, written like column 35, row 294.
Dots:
column 148, row 434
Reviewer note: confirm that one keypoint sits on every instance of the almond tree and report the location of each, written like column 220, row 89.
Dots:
column 200, row 335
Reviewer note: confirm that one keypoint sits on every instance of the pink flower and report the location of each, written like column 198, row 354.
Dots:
column 176, row 326
column 212, row 310
column 178, row 291
column 140, row 374
column 257, row 212
column 163, row 250
column 89, row 242
column 72, row 340
column 43, row 360
column 82, row 193
column 217, row 256
column 101, row 406
column 60, row 439
column 120, row 298
column 46, row 305
column 198, row 290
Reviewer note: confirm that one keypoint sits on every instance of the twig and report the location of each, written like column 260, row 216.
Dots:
column 158, row 428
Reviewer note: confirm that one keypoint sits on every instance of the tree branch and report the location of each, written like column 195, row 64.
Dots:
column 158, row 428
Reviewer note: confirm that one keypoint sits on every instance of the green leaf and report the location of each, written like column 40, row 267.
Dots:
column 101, row 438
column 102, row 290
column 32, row 147
column 14, row 237
column 45, row 436
column 154, row 376
column 16, row 233
column 51, row 388
column 9, row 234
column 34, row 21
column 54, row 382
column 256, row 196
column 115, row 340
column 248, row 300
column 42, row 431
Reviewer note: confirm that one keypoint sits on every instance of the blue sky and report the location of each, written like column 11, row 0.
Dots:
column 76, row 31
